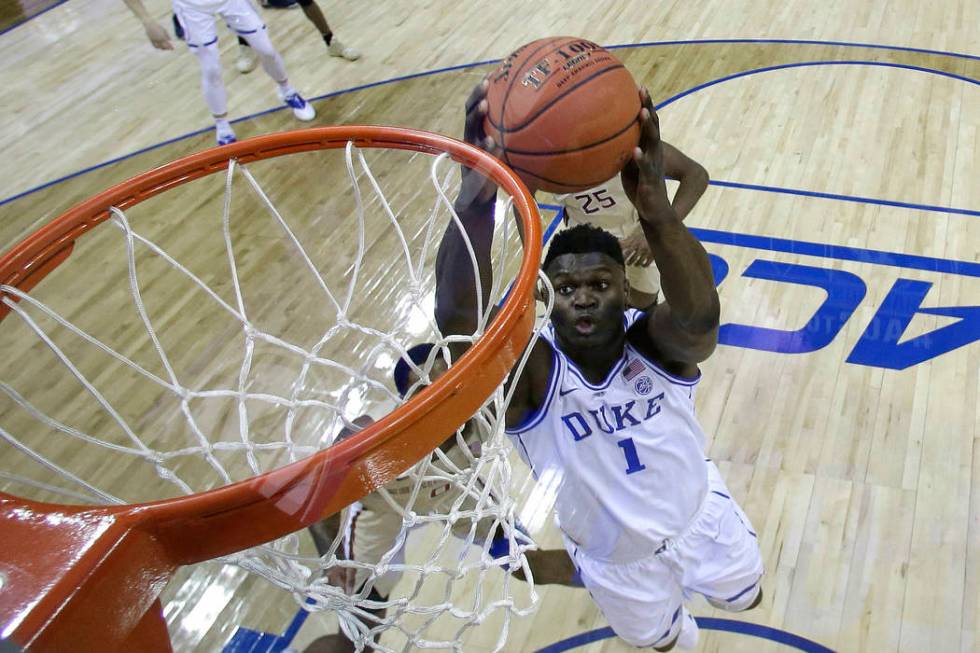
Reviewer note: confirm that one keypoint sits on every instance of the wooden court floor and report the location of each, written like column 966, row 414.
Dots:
column 843, row 141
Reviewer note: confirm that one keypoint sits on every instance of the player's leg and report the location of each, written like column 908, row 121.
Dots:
column 334, row 46
column 641, row 600
column 723, row 561
column 242, row 18
column 202, row 39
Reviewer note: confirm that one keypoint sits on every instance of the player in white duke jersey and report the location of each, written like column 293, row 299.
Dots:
column 606, row 206
column 606, row 404
column 197, row 20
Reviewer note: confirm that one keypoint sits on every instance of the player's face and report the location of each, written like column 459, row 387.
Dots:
column 439, row 368
column 590, row 299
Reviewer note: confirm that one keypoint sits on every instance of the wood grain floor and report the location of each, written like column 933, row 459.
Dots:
column 840, row 170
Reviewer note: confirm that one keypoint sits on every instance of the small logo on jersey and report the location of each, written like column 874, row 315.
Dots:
column 643, row 385
column 633, row 369
column 562, row 393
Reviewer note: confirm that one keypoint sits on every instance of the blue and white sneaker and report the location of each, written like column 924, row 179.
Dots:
column 225, row 135
column 302, row 109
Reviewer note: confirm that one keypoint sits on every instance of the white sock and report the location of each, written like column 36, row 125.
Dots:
column 285, row 89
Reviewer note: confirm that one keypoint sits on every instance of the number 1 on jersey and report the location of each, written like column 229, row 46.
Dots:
column 633, row 463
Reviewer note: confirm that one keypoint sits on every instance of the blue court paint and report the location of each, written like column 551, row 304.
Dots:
column 845, row 44
column 839, row 252
column 807, row 64
column 842, row 198
column 661, row 105
column 705, row 623
column 27, row 19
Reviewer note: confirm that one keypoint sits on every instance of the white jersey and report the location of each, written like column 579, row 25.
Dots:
column 627, row 455
column 605, row 206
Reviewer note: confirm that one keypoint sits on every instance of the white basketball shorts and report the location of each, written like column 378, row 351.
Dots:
column 717, row 556
column 197, row 19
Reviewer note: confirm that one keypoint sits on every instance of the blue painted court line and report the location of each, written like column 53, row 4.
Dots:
column 27, row 19
column 705, row 623
column 490, row 61
column 844, row 198
column 840, row 252
column 807, row 64
column 846, row 44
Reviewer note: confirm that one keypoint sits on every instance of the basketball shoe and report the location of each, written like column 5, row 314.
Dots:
column 338, row 49
column 224, row 134
column 302, row 109
column 247, row 59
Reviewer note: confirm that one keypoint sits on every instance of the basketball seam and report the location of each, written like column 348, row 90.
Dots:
column 510, row 86
column 550, row 104
column 500, row 130
column 632, row 121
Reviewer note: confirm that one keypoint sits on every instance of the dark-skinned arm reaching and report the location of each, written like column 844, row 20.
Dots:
column 683, row 331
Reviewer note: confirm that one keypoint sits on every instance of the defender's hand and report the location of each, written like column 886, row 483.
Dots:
column 636, row 250
column 643, row 176
column 342, row 577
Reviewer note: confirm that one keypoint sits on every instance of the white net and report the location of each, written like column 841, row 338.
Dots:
column 237, row 326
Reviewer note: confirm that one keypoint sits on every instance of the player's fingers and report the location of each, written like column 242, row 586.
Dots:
column 645, row 100
column 478, row 93
column 649, row 130
column 473, row 129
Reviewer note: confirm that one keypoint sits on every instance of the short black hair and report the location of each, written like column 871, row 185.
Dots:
column 418, row 355
column 584, row 239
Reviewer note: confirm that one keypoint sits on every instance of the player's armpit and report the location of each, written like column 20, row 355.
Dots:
column 531, row 389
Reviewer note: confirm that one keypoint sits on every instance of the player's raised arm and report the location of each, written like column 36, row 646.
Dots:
column 456, row 309
column 684, row 330
column 691, row 176
column 456, row 289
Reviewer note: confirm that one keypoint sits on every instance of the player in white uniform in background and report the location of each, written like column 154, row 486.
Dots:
column 606, row 404
column 197, row 19
column 606, row 206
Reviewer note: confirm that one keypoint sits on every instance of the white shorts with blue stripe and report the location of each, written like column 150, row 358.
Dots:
column 197, row 19
column 717, row 556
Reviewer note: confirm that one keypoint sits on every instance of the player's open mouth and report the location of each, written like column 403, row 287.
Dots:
column 585, row 325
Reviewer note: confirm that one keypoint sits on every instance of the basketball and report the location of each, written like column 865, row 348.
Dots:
column 565, row 113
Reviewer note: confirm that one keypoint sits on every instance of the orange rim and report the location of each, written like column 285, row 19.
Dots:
column 145, row 542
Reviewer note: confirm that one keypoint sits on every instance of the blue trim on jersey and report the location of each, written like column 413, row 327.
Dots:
column 554, row 383
column 671, row 378
column 527, row 456
column 721, row 494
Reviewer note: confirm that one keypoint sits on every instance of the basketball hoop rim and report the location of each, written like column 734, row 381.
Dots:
column 490, row 357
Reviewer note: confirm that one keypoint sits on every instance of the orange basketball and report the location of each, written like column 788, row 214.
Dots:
column 565, row 112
